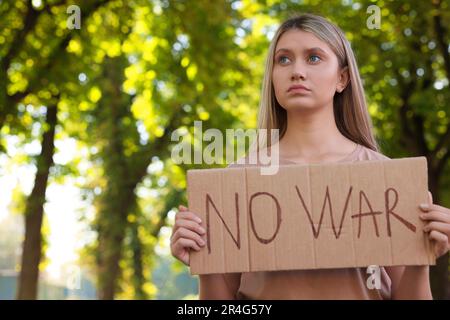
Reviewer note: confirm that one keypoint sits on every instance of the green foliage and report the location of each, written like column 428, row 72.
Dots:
column 138, row 70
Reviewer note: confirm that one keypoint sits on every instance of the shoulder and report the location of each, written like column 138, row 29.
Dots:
column 250, row 159
column 369, row 154
column 242, row 162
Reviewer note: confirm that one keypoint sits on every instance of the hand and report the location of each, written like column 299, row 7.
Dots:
column 186, row 234
column 438, row 226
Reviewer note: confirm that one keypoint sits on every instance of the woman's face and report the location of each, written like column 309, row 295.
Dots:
column 302, row 59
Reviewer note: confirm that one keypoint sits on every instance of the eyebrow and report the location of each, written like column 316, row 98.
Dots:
column 315, row 49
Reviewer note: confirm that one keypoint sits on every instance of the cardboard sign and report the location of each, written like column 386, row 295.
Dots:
column 311, row 216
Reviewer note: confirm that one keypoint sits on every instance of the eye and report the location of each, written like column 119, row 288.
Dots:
column 314, row 58
column 283, row 59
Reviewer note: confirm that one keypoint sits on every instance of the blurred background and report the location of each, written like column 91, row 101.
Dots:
column 89, row 98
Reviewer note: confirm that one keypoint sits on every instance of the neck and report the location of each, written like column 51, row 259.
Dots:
column 312, row 134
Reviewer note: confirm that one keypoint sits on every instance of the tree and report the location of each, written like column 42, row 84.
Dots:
column 37, row 88
column 31, row 255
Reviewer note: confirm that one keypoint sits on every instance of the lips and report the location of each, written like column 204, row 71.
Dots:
column 298, row 87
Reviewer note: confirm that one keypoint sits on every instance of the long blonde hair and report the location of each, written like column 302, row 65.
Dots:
column 350, row 108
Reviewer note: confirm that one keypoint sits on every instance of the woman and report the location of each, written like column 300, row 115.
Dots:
column 312, row 93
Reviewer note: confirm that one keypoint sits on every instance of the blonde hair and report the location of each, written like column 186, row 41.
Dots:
column 349, row 106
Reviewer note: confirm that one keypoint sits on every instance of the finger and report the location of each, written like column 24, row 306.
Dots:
column 437, row 226
column 188, row 234
column 425, row 207
column 436, row 216
column 441, row 242
column 181, row 253
column 430, row 197
column 182, row 208
column 183, row 243
column 439, row 237
column 434, row 207
column 189, row 224
column 184, row 259
column 187, row 220
column 187, row 215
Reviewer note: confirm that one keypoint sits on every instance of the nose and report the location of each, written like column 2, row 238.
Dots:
column 297, row 73
column 298, row 70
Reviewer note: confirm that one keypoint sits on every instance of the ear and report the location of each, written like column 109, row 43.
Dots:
column 344, row 78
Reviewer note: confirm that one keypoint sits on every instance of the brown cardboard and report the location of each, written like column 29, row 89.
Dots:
column 260, row 222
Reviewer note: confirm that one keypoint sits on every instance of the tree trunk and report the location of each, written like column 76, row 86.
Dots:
column 138, row 269
column 111, row 235
column 119, row 197
column 122, row 174
column 32, row 246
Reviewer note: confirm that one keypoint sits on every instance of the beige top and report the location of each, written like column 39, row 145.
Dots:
column 348, row 283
